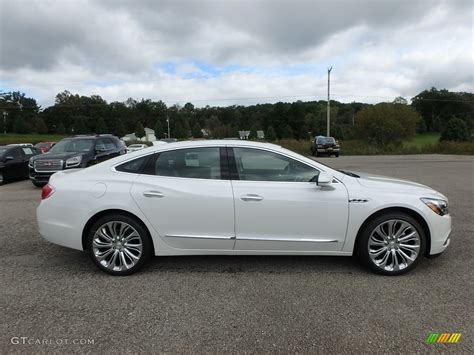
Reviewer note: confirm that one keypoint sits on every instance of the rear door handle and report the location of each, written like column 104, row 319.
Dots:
column 153, row 194
column 251, row 197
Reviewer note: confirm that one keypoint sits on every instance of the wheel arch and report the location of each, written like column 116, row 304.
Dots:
column 103, row 213
column 418, row 217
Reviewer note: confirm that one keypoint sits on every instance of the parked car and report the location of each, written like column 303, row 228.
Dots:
column 135, row 147
column 20, row 145
column 239, row 198
column 325, row 146
column 169, row 140
column 14, row 162
column 44, row 147
column 72, row 153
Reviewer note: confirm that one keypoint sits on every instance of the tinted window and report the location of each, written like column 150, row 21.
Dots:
column 197, row 163
column 135, row 166
column 14, row 152
column 261, row 165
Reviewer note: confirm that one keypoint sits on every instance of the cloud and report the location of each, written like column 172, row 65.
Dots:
column 217, row 52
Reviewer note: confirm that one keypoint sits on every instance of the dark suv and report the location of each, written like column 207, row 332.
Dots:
column 324, row 146
column 72, row 153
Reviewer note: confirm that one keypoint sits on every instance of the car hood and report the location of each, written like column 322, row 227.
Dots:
column 62, row 156
column 399, row 185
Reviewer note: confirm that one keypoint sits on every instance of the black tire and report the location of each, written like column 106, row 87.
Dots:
column 362, row 243
column 317, row 154
column 39, row 184
column 337, row 155
column 313, row 153
column 146, row 243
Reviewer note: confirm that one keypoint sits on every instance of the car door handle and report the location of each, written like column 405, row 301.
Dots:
column 251, row 197
column 153, row 194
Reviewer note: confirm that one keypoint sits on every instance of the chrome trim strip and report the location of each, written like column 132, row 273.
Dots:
column 200, row 236
column 311, row 240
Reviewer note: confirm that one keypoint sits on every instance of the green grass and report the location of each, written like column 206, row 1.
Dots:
column 427, row 143
column 424, row 139
column 29, row 138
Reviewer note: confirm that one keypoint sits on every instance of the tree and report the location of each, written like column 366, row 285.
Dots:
column 455, row 130
column 385, row 124
column 400, row 100
column 40, row 126
column 179, row 130
column 19, row 125
column 158, row 129
column 101, row 127
column 287, row 132
column 196, row 131
column 60, row 129
column 271, row 135
column 139, row 130
column 79, row 126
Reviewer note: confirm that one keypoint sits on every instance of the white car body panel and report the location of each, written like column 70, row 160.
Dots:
column 199, row 216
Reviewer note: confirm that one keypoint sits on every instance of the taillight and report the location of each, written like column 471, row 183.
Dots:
column 46, row 191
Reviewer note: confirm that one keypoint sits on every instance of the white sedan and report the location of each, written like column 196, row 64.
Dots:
column 239, row 198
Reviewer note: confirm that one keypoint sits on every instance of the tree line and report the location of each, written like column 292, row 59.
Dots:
column 431, row 110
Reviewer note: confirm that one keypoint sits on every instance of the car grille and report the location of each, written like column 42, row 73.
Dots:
column 48, row 165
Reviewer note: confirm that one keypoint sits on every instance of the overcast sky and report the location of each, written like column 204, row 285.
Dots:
column 235, row 52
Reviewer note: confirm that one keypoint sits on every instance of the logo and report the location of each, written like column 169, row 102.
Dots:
column 443, row 338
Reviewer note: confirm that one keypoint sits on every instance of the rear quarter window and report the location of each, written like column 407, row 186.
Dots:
column 134, row 166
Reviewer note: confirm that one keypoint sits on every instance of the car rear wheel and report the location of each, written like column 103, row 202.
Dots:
column 391, row 244
column 118, row 244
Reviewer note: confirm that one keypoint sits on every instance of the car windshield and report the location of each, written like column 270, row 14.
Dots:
column 325, row 140
column 73, row 146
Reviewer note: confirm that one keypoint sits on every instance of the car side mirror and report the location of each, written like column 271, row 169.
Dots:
column 324, row 179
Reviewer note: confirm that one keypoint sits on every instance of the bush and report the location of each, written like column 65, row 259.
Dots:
column 455, row 130
column 386, row 124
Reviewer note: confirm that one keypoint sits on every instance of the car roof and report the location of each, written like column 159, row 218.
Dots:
column 216, row 142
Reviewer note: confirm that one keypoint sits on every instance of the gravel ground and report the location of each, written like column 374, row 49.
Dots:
column 239, row 304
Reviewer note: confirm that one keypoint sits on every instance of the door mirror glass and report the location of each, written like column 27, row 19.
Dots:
column 324, row 179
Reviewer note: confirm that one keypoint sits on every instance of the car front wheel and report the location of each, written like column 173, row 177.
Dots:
column 391, row 244
column 118, row 244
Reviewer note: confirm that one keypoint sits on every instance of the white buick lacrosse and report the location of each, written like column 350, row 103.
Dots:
column 239, row 198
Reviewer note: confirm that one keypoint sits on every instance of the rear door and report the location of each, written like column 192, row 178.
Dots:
column 14, row 166
column 186, row 196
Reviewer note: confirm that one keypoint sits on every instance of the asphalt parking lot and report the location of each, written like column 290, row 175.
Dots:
column 240, row 304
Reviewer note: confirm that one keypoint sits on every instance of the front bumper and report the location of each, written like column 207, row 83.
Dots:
column 40, row 177
column 440, row 234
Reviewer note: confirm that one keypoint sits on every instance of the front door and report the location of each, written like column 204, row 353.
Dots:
column 183, row 195
column 279, row 207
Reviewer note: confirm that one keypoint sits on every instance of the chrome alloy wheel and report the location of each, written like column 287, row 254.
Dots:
column 117, row 246
column 394, row 245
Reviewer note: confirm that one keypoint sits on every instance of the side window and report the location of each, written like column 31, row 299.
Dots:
column 28, row 151
column 196, row 163
column 100, row 145
column 109, row 144
column 134, row 166
column 15, row 153
column 261, row 165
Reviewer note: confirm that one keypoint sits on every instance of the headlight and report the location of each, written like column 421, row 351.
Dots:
column 74, row 161
column 439, row 207
column 30, row 162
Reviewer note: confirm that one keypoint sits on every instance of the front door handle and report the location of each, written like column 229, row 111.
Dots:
column 251, row 197
column 153, row 194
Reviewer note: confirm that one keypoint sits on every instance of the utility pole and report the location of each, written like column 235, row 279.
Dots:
column 5, row 113
column 168, row 122
column 328, row 133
